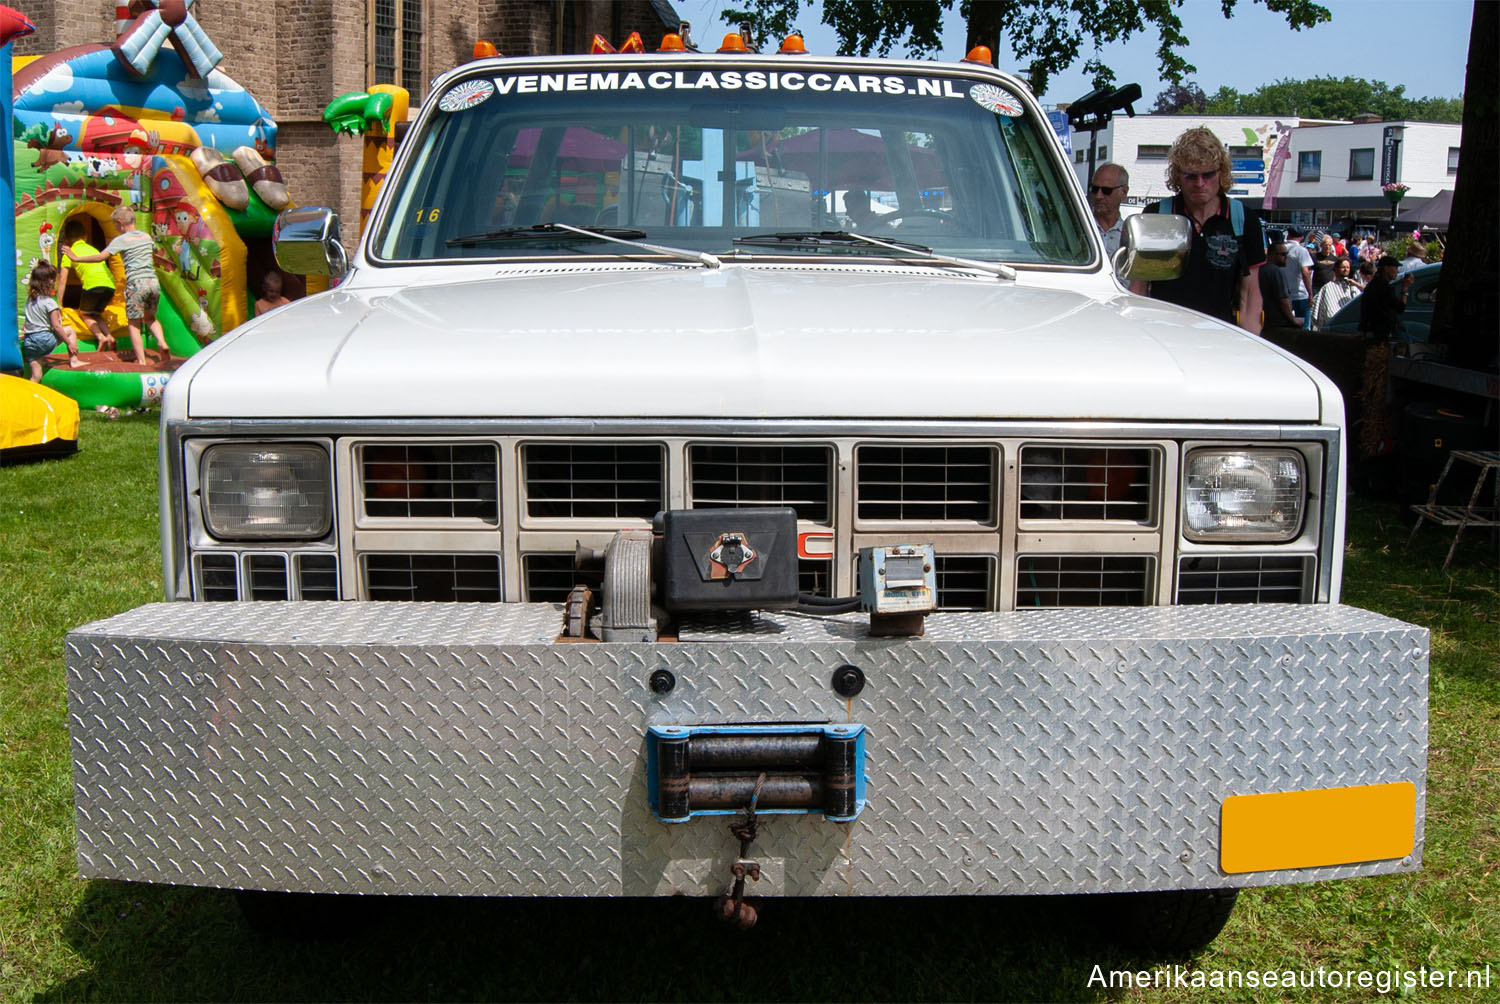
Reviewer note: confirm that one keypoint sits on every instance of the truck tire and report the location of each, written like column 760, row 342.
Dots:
column 1172, row 921
column 306, row 916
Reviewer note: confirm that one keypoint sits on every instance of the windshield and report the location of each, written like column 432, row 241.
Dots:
column 696, row 158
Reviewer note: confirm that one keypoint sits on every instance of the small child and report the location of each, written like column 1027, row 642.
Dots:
column 98, row 285
column 142, row 291
column 43, row 327
column 270, row 287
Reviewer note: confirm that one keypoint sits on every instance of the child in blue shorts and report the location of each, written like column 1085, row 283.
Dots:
column 43, row 328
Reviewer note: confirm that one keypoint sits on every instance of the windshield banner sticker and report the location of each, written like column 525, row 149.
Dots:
column 992, row 98
column 724, row 80
column 466, row 95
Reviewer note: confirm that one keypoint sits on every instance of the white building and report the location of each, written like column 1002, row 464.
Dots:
column 1308, row 171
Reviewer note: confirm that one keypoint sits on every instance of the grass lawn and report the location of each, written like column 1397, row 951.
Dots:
column 78, row 541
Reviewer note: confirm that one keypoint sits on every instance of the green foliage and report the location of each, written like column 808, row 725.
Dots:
column 1181, row 99
column 1334, row 98
column 1046, row 36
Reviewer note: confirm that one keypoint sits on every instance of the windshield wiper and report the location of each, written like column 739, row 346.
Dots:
column 539, row 231
column 615, row 235
column 818, row 238
column 824, row 238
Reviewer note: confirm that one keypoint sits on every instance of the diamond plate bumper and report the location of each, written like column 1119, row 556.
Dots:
column 459, row 749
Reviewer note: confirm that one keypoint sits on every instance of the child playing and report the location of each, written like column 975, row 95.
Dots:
column 142, row 291
column 98, row 285
column 271, row 288
column 43, row 327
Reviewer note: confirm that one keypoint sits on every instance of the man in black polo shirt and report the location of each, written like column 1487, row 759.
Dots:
column 1227, row 241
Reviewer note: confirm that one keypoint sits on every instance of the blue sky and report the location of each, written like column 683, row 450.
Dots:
column 1422, row 44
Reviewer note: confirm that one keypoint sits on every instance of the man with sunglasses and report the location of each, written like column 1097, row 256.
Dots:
column 1227, row 240
column 1110, row 186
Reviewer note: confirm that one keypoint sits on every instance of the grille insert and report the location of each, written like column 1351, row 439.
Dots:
column 444, row 578
column 268, row 578
column 548, row 578
column 318, row 576
column 593, row 480
column 430, row 481
column 725, row 476
column 1087, row 483
column 1082, row 580
column 815, row 575
column 1251, row 578
column 927, row 483
column 218, row 577
column 964, row 582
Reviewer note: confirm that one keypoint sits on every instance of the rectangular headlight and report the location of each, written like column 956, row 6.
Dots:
column 1244, row 495
column 261, row 491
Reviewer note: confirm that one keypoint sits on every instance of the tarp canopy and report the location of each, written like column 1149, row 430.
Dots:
column 1432, row 213
column 852, row 159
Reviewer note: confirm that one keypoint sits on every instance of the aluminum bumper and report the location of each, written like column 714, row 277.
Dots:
column 460, row 749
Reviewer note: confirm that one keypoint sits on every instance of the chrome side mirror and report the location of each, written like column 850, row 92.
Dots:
column 1154, row 247
column 306, row 241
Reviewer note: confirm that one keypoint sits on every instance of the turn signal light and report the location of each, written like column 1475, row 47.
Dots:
column 734, row 42
column 980, row 54
column 671, row 42
column 792, row 45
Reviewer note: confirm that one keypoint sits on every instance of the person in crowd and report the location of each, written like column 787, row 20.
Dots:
column 42, row 327
column 271, row 296
column 1370, row 250
column 1227, row 240
column 1335, row 294
column 1366, row 272
column 857, row 208
column 1298, row 271
column 1340, row 249
column 1380, row 310
column 1274, row 295
column 1384, row 301
column 1416, row 250
column 97, row 282
column 142, row 291
column 1325, row 264
column 1108, row 189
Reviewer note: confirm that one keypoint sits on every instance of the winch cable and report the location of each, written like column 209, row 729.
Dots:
column 733, row 907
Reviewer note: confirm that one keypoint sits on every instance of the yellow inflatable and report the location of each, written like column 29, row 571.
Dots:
column 35, row 421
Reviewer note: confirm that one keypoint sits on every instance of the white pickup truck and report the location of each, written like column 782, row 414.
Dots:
column 725, row 473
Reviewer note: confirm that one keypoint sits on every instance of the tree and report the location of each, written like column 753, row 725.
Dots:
column 1467, row 314
column 1045, row 35
column 1334, row 98
column 1181, row 99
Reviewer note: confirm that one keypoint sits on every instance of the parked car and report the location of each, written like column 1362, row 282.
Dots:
column 1419, row 306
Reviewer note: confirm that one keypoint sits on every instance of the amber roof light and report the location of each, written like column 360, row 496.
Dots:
column 671, row 42
column 980, row 54
column 792, row 45
column 485, row 50
column 734, row 42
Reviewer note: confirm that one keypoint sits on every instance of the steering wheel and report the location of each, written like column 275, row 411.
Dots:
column 887, row 220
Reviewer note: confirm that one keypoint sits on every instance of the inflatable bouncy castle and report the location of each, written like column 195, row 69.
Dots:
column 149, row 124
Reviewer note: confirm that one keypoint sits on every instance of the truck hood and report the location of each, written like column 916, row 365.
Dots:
column 748, row 342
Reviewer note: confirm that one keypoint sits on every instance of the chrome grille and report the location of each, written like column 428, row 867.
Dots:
column 1087, row 483
column 964, row 582
column 730, row 476
column 451, row 578
column 218, row 577
column 430, row 481
column 1082, row 580
column 1251, row 578
column 927, row 483
column 594, row 480
column 318, row 576
column 549, row 578
column 268, row 579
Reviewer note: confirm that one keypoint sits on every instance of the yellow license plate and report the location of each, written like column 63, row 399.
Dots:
column 1309, row 829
